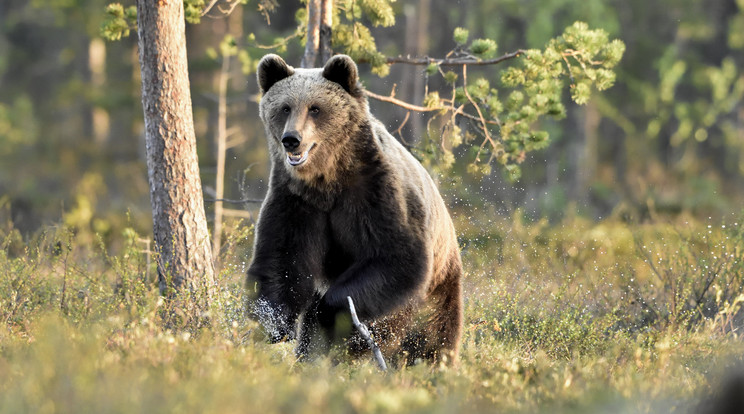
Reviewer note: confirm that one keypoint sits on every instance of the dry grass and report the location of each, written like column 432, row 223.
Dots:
column 574, row 317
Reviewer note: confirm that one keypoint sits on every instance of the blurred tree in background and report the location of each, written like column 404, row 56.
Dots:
column 667, row 138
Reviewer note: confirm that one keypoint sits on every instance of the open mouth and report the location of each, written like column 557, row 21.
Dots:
column 297, row 159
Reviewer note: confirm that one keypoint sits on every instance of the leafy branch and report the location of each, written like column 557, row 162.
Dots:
column 509, row 127
column 119, row 21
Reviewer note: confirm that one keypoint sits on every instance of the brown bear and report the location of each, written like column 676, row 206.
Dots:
column 349, row 212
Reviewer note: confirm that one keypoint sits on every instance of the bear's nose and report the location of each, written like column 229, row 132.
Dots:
column 291, row 140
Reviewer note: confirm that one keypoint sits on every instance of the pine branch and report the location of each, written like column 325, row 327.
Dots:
column 229, row 11
column 280, row 42
column 462, row 61
column 468, row 61
column 417, row 108
column 481, row 118
column 402, row 104
column 208, row 7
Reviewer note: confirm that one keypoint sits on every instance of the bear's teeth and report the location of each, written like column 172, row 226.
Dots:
column 298, row 159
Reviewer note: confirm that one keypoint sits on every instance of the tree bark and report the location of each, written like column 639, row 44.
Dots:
column 179, row 221
column 312, row 45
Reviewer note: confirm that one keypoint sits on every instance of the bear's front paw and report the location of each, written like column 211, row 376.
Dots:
column 280, row 334
column 277, row 324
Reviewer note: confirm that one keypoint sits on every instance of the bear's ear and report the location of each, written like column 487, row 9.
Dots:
column 342, row 70
column 272, row 69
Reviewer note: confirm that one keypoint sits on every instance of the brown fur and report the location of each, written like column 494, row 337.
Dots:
column 357, row 216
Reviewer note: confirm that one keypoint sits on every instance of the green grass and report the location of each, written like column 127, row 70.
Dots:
column 574, row 317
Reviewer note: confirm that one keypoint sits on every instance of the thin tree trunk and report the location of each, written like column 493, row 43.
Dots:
column 179, row 222
column 326, row 32
column 221, row 152
column 97, row 67
column 589, row 165
column 419, row 46
column 312, row 45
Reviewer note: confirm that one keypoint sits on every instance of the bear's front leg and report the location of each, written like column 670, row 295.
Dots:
column 378, row 286
column 287, row 256
column 321, row 326
column 313, row 339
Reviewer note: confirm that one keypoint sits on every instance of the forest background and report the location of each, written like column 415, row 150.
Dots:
column 666, row 138
column 628, row 222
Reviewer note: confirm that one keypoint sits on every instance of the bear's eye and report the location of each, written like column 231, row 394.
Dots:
column 286, row 109
column 314, row 110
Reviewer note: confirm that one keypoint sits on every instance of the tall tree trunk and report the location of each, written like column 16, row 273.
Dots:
column 179, row 222
column 417, row 44
column 312, row 45
column 319, row 33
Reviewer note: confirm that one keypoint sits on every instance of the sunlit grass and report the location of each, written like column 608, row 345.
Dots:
column 569, row 317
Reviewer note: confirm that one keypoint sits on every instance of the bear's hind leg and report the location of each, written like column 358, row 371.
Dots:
column 446, row 322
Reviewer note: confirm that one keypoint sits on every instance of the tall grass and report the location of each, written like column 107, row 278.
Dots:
column 568, row 317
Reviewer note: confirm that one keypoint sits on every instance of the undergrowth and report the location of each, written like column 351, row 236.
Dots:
column 569, row 317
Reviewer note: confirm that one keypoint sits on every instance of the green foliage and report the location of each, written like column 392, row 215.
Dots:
column 379, row 12
column 533, row 88
column 461, row 35
column 693, row 102
column 450, row 77
column 356, row 40
column 193, row 10
column 18, row 128
column 563, row 329
column 228, row 47
column 694, row 275
column 589, row 57
column 483, row 48
column 352, row 37
column 431, row 100
column 432, row 69
column 118, row 22
column 736, row 31
column 248, row 65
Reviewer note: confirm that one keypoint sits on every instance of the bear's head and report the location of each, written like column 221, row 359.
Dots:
column 310, row 115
